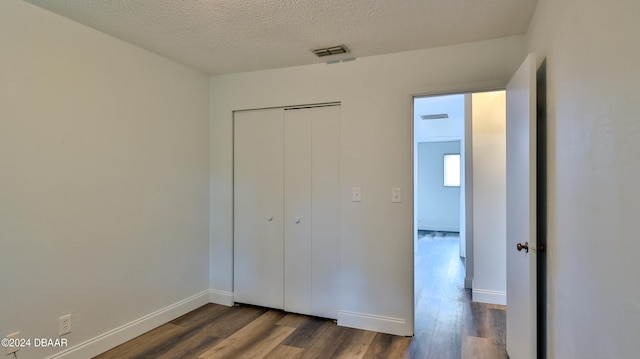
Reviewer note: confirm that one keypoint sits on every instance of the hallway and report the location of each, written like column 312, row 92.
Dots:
column 447, row 323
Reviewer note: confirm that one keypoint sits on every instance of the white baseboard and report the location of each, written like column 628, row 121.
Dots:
column 221, row 297
column 438, row 229
column 117, row 336
column 395, row 326
column 489, row 296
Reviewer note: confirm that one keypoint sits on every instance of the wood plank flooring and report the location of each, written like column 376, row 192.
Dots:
column 448, row 325
column 215, row 331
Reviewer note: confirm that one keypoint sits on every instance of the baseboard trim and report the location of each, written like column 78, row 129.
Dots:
column 489, row 296
column 389, row 325
column 221, row 297
column 126, row 332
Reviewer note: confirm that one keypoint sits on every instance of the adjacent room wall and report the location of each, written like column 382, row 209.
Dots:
column 450, row 129
column 593, row 89
column 376, row 94
column 104, row 179
column 438, row 206
column 489, row 197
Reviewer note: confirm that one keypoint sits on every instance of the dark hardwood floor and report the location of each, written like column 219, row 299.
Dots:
column 215, row 331
column 448, row 325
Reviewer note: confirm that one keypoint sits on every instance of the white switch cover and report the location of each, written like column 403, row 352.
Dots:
column 396, row 195
column 356, row 194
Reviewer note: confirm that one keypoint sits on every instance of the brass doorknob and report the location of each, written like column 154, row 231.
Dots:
column 524, row 246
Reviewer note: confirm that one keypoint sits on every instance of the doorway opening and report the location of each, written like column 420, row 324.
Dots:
column 460, row 224
column 439, row 203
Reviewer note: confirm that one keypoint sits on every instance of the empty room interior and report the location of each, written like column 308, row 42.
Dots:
column 213, row 179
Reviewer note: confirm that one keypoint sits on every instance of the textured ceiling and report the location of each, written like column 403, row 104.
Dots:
column 226, row 36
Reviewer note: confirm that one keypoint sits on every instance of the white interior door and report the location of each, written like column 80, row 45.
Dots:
column 258, row 208
column 297, row 211
column 326, row 210
column 312, row 210
column 287, row 209
column 521, row 212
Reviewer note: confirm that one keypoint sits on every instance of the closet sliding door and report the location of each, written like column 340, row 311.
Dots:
column 258, row 208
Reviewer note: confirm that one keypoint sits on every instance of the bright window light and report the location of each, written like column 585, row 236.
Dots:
column 452, row 170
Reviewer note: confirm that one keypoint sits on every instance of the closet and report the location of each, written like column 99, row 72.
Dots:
column 287, row 208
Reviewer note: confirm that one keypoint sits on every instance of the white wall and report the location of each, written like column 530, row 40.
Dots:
column 438, row 206
column 104, row 180
column 593, row 130
column 376, row 95
column 103, row 171
column 489, row 197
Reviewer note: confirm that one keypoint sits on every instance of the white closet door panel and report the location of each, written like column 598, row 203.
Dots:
column 326, row 210
column 258, row 208
column 297, row 213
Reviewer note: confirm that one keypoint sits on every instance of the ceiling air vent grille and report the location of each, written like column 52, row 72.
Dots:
column 333, row 50
column 436, row 116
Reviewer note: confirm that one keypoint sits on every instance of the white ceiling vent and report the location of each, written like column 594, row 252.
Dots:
column 333, row 50
column 436, row 116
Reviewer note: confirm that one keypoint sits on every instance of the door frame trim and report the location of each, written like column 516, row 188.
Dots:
column 432, row 91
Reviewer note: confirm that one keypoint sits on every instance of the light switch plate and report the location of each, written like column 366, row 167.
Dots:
column 396, row 195
column 356, row 194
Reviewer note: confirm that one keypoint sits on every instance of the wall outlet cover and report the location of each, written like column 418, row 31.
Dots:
column 65, row 324
column 396, row 195
column 356, row 194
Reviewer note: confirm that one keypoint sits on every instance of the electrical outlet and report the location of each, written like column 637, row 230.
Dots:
column 65, row 324
column 12, row 338
column 396, row 195
column 356, row 194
